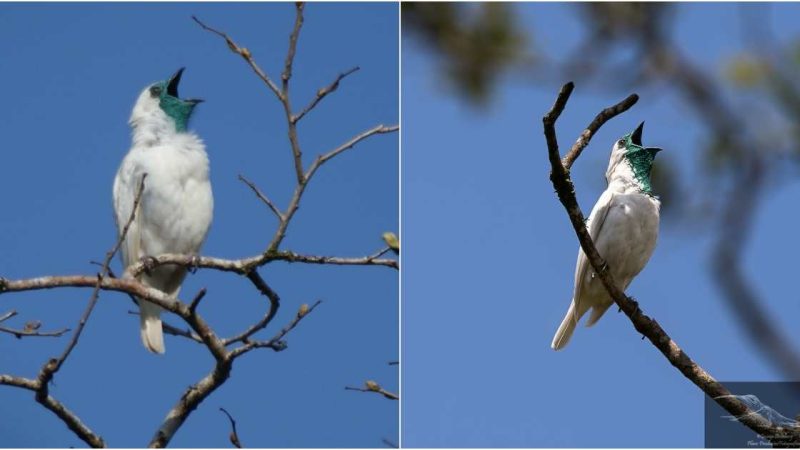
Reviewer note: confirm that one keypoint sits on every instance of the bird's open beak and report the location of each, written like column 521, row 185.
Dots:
column 172, row 87
column 636, row 137
column 174, row 81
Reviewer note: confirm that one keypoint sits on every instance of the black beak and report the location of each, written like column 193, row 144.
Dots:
column 172, row 86
column 636, row 137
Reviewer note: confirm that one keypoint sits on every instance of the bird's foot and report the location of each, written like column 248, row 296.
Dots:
column 194, row 264
column 149, row 263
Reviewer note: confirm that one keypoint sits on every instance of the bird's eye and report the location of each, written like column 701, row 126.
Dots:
column 155, row 91
column 621, row 142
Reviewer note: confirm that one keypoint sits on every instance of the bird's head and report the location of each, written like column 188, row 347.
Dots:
column 160, row 105
column 637, row 158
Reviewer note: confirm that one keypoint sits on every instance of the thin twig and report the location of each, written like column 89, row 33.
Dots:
column 19, row 334
column 49, row 369
column 244, row 53
column 371, row 386
column 196, row 300
column 274, row 305
column 175, row 331
column 52, row 366
column 323, row 92
column 277, row 343
column 322, row 159
column 262, row 197
column 389, row 444
column 644, row 324
column 234, row 436
column 601, row 118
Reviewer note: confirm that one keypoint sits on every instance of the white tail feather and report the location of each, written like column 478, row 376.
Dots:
column 150, row 322
column 565, row 330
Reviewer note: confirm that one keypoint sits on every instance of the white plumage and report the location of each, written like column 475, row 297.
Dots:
column 624, row 228
column 176, row 207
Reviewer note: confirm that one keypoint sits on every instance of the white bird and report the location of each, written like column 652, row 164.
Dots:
column 176, row 206
column 624, row 228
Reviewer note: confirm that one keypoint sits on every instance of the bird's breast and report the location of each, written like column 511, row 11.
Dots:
column 177, row 204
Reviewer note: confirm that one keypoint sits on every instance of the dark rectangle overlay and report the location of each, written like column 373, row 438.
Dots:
column 776, row 401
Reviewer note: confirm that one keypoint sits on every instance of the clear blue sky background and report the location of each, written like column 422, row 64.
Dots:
column 70, row 76
column 489, row 258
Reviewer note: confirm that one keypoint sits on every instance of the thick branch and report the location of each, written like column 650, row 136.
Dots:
column 199, row 391
column 297, row 153
column 189, row 401
column 644, row 324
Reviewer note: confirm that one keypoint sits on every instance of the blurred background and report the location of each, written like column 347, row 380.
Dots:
column 71, row 74
column 490, row 254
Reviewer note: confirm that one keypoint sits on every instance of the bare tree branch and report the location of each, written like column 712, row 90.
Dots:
column 336, row 260
column 41, row 384
column 199, row 391
column 263, row 197
column 52, row 366
column 245, row 265
column 323, row 92
column 322, row 159
column 371, row 386
column 276, row 343
column 234, row 436
column 297, row 153
column 274, row 305
column 244, row 53
column 25, row 332
column 779, row 436
column 598, row 122
column 30, row 330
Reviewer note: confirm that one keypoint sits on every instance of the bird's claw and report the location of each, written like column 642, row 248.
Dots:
column 194, row 264
column 149, row 263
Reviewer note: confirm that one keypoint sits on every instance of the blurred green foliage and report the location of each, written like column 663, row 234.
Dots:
column 477, row 42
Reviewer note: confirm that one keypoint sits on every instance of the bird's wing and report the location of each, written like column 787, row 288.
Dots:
column 595, row 225
column 126, row 185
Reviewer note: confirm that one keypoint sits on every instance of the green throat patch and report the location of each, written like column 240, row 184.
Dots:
column 179, row 110
column 641, row 161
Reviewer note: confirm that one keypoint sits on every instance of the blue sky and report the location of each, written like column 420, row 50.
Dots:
column 70, row 76
column 489, row 258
